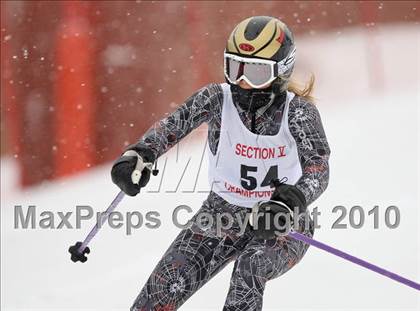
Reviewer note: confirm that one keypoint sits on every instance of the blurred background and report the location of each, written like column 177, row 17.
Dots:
column 80, row 80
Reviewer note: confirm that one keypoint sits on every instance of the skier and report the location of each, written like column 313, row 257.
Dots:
column 261, row 128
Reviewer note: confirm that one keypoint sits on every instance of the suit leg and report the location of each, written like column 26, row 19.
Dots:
column 193, row 258
column 261, row 261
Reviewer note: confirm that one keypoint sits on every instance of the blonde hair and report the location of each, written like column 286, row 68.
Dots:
column 304, row 91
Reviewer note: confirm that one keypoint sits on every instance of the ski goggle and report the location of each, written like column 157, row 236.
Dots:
column 255, row 71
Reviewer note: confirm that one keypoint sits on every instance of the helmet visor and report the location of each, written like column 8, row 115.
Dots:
column 256, row 72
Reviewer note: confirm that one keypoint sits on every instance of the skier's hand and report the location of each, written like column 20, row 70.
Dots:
column 270, row 219
column 289, row 195
column 130, row 172
column 275, row 217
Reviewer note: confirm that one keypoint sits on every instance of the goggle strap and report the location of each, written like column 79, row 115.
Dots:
column 275, row 70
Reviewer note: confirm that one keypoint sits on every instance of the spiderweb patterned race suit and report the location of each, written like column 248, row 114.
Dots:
column 198, row 253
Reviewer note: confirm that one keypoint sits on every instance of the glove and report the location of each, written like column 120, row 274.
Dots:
column 275, row 216
column 130, row 172
column 289, row 195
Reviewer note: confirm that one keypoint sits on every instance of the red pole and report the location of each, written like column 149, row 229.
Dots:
column 196, row 34
column 74, row 90
column 11, row 108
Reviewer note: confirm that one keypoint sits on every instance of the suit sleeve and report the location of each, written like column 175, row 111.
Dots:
column 306, row 127
column 167, row 132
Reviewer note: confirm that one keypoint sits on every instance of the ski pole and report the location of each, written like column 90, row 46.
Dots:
column 79, row 250
column 355, row 260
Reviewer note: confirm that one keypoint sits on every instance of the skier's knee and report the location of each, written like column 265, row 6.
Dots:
column 259, row 263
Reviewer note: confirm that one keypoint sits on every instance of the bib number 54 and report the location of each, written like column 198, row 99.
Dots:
column 249, row 182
